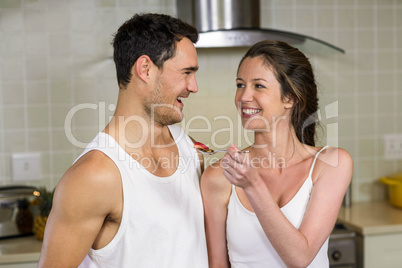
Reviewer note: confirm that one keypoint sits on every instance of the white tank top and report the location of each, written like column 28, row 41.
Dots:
column 248, row 246
column 162, row 223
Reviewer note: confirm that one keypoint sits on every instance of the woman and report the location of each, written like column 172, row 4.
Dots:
column 276, row 205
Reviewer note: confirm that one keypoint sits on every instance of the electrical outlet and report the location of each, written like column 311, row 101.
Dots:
column 26, row 167
column 393, row 146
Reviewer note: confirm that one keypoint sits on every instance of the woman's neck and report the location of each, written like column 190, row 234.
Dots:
column 282, row 145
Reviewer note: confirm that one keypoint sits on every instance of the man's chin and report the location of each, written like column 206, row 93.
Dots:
column 176, row 120
column 171, row 120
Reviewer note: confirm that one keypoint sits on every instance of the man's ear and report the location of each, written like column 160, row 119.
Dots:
column 142, row 67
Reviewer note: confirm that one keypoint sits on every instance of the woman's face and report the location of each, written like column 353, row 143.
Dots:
column 258, row 97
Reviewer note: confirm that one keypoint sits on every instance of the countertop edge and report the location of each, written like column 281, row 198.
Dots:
column 19, row 258
column 20, row 250
column 374, row 230
column 372, row 218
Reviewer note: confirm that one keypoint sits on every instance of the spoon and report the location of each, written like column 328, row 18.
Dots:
column 205, row 150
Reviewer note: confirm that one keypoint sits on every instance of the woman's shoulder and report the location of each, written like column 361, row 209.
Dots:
column 214, row 172
column 334, row 162
column 214, row 169
column 328, row 154
column 334, row 156
column 213, row 180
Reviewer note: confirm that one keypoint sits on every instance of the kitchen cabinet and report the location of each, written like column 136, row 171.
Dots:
column 382, row 250
column 378, row 226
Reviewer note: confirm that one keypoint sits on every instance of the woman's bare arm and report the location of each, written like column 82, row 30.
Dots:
column 298, row 247
column 215, row 190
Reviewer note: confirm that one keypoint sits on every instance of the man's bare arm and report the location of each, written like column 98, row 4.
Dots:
column 88, row 192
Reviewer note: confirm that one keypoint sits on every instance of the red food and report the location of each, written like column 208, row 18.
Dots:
column 199, row 145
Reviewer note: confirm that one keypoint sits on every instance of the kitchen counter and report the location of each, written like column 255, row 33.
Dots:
column 372, row 218
column 378, row 227
column 20, row 250
column 367, row 219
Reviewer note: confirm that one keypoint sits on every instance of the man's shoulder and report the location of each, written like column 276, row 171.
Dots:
column 92, row 185
column 95, row 161
column 93, row 169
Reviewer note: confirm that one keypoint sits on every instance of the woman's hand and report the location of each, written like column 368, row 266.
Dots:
column 238, row 168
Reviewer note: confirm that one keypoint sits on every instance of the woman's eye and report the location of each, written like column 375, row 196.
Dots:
column 240, row 85
column 259, row 86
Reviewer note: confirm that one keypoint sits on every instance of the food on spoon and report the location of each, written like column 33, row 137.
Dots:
column 199, row 145
column 202, row 147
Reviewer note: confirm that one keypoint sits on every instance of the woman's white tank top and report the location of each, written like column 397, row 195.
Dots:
column 247, row 243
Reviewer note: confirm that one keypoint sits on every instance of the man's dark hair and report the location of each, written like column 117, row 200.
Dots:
column 154, row 35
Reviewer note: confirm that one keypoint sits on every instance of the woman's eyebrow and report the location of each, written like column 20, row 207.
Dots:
column 255, row 79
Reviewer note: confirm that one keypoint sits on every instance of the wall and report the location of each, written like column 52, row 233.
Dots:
column 56, row 57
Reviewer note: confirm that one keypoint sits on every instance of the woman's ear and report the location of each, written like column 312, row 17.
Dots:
column 142, row 67
column 288, row 101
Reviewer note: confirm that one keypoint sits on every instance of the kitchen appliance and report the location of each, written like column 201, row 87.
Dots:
column 347, row 199
column 236, row 23
column 342, row 247
column 16, row 212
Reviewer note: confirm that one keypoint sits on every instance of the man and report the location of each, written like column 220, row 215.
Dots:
column 132, row 199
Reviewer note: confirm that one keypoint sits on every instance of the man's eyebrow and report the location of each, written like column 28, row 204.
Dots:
column 193, row 69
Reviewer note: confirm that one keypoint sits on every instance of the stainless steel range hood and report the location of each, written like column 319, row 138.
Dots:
column 236, row 23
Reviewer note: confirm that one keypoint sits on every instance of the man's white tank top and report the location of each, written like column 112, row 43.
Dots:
column 247, row 243
column 162, row 223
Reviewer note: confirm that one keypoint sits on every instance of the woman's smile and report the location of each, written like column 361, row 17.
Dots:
column 249, row 112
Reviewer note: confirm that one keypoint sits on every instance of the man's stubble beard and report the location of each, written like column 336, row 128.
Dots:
column 157, row 108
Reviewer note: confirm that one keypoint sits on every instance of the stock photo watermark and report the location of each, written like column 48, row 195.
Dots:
column 231, row 128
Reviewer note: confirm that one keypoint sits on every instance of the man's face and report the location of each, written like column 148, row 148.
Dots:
column 173, row 83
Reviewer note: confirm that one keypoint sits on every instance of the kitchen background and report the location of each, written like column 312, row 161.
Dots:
column 58, row 86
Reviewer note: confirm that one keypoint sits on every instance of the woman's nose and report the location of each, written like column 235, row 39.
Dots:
column 247, row 95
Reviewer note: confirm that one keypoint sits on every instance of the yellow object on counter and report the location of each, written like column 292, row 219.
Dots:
column 394, row 183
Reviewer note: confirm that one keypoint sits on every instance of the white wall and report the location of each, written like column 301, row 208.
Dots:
column 56, row 54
